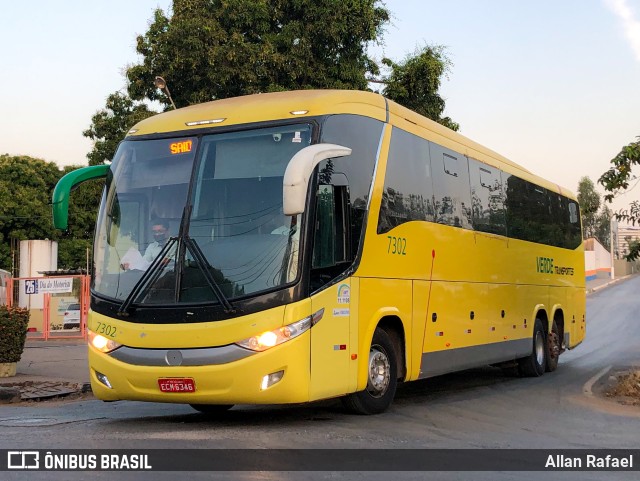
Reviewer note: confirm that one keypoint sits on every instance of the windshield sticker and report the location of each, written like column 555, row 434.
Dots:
column 296, row 138
column 344, row 294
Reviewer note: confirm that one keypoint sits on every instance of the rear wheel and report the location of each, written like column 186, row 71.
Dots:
column 382, row 378
column 535, row 364
column 553, row 348
column 211, row 408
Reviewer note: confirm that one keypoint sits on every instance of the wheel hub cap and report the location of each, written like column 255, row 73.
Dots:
column 379, row 372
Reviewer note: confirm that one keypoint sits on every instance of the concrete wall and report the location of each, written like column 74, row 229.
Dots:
column 624, row 268
column 35, row 256
column 597, row 260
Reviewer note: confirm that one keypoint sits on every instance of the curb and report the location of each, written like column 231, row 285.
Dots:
column 610, row 283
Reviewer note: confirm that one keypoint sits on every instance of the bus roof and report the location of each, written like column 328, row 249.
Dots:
column 306, row 103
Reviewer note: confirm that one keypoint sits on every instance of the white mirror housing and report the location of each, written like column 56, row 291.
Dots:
column 299, row 170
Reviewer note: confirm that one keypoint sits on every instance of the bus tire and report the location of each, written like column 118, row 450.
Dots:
column 554, row 346
column 535, row 363
column 382, row 378
column 211, row 409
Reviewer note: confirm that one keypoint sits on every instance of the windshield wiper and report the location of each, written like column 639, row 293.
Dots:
column 149, row 277
column 154, row 271
column 204, row 266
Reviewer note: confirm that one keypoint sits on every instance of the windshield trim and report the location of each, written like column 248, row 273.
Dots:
column 314, row 127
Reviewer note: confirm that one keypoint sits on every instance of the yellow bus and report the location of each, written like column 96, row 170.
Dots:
column 297, row 246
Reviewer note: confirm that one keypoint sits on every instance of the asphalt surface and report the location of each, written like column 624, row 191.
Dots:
column 481, row 408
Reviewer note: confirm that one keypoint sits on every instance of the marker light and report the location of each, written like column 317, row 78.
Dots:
column 269, row 339
column 204, row 122
column 270, row 379
column 103, row 379
column 132, row 131
column 101, row 343
column 299, row 112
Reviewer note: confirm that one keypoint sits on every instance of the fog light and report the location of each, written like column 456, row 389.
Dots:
column 103, row 379
column 270, row 379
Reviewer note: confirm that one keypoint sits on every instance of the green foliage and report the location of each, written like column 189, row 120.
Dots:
column 25, row 192
column 634, row 249
column 26, row 185
column 596, row 222
column 214, row 49
column 414, row 83
column 603, row 227
column 617, row 180
column 589, row 201
column 14, row 322
column 111, row 124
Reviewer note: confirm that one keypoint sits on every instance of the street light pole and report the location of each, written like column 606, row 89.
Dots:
column 161, row 84
column 611, row 244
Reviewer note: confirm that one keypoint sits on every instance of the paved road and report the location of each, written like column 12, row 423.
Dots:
column 480, row 408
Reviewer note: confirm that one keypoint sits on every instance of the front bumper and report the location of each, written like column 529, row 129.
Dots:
column 234, row 382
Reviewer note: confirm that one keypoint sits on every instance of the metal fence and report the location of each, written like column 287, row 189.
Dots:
column 58, row 305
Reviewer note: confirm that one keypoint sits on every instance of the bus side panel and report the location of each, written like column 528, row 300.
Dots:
column 381, row 298
column 574, row 322
column 505, row 323
column 330, row 342
column 456, row 333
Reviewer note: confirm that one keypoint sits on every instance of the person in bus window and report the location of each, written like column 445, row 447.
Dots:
column 132, row 260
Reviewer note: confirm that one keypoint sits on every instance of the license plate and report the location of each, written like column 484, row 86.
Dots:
column 177, row 384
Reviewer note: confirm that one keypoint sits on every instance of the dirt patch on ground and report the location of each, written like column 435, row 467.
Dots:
column 624, row 387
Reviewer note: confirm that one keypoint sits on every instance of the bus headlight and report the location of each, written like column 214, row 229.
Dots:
column 270, row 339
column 101, row 343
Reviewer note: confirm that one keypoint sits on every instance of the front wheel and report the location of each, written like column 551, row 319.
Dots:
column 382, row 378
column 535, row 363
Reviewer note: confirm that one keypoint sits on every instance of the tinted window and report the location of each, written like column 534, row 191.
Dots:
column 408, row 190
column 487, row 198
column 537, row 215
column 452, row 198
column 362, row 135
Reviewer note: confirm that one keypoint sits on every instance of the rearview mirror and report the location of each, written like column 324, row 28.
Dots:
column 60, row 198
column 299, row 170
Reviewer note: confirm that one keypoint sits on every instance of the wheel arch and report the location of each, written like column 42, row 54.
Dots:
column 394, row 327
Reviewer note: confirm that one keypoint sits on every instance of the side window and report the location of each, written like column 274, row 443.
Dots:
column 487, row 198
column 573, row 229
column 324, row 251
column 408, row 190
column 452, row 198
column 537, row 215
column 362, row 135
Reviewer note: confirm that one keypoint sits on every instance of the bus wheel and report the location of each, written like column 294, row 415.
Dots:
column 211, row 408
column 535, row 363
column 382, row 378
column 553, row 352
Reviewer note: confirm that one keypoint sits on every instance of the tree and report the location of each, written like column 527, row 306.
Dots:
column 215, row 49
column 596, row 222
column 603, row 227
column 617, row 180
column 25, row 189
column 414, row 83
column 26, row 185
column 111, row 124
column 589, row 201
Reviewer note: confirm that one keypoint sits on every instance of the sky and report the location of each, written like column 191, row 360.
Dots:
column 553, row 85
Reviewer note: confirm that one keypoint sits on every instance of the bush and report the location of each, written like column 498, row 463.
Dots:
column 14, row 322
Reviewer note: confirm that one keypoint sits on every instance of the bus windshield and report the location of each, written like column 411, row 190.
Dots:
column 198, row 213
